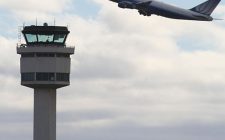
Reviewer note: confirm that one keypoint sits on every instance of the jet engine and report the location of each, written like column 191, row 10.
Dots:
column 126, row 4
column 144, row 13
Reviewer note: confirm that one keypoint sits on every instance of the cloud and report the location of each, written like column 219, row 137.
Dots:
column 142, row 71
column 33, row 5
column 130, row 74
column 134, row 131
column 29, row 10
column 220, row 11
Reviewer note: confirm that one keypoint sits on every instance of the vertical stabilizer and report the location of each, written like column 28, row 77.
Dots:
column 207, row 7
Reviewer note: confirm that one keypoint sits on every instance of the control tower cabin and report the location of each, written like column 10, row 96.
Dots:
column 45, row 66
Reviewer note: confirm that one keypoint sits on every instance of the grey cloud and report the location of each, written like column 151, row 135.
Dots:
column 131, row 79
column 15, row 116
column 97, row 67
column 85, row 115
column 127, row 130
column 16, row 124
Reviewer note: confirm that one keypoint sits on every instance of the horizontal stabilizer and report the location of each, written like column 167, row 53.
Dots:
column 217, row 19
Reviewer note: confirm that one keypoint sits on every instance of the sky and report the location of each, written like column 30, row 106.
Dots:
column 132, row 77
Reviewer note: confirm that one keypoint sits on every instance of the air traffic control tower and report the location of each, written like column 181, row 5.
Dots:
column 45, row 66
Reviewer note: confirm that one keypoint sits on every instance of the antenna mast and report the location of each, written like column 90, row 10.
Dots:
column 19, row 35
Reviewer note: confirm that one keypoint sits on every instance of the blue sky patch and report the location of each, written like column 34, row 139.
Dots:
column 84, row 8
column 191, row 44
column 7, row 24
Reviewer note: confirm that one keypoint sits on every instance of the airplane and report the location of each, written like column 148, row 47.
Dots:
column 201, row 12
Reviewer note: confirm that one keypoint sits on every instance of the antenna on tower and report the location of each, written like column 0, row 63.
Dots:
column 19, row 35
column 54, row 21
column 36, row 21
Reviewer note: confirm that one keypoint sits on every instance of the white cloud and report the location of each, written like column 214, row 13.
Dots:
column 164, row 83
column 147, row 71
column 29, row 10
column 33, row 5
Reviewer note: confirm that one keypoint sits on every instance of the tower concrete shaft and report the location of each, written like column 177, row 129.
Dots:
column 44, row 114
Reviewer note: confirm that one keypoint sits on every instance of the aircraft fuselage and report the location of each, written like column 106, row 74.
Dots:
column 170, row 11
column 149, row 7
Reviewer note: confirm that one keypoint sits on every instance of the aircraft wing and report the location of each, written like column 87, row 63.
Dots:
column 143, row 4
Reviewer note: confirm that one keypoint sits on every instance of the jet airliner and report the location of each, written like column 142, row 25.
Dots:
column 201, row 12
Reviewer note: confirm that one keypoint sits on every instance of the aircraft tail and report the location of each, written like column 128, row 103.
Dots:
column 207, row 7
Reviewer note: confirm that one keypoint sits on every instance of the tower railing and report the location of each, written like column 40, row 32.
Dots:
column 19, row 45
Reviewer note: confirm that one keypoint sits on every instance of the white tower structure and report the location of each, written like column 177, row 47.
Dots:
column 45, row 66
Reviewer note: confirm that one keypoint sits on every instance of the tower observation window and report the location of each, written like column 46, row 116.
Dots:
column 45, row 54
column 45, row 38
column 27, row 55
column 45, row 76
column 31, row 38
column 27, row 76
column 59, row 38
column 62, row 55
column 62, row 76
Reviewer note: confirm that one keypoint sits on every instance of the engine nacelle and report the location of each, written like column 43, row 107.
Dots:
column 126, row 4
column 144, row 13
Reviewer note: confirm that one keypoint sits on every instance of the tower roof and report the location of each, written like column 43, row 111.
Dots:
column 45, row 30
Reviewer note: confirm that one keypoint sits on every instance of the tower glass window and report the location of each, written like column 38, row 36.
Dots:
column 45, row 54
column 54, row 35
column 31, row 38
column 27, row 55
column 51, row 76
column 62, row 77
column 27, row 76
column 62, row 55
column 42, row 76
column 45, row 76
column 59, row 38
column 45, row 38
